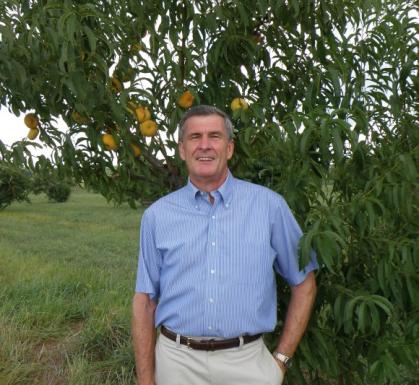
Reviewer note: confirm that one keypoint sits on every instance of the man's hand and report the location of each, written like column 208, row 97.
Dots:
column 281, row 365
column 144, row 337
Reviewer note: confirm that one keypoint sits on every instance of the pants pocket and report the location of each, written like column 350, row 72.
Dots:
column 277, row 373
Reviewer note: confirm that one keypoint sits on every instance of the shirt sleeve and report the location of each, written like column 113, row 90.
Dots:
column 149, row 260
column 286, row 234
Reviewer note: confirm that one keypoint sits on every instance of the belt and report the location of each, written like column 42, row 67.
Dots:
column 211, row 344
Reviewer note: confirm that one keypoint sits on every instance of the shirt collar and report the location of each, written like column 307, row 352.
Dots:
column 225, row 190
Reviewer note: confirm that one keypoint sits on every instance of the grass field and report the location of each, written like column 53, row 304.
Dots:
column 67, row 274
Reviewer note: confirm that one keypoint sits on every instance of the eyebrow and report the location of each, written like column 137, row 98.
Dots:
column 218, row 132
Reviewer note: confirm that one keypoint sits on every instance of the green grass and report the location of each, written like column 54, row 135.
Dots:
column 67, row 274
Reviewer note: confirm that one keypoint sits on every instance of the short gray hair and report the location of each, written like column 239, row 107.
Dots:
column 204, row 110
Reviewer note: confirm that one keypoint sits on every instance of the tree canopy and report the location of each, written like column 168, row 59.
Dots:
column 332, row 124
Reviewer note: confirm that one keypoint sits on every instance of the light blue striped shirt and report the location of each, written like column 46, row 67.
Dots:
column 211, row 268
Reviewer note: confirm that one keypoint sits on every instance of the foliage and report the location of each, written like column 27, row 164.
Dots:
column 58, row 191
column 46, row 178
column 332, row 124
column 21, row 176
column 15, row 178
column 14, row 184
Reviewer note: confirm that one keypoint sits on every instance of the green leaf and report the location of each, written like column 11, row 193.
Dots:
column 338, row 310
column 337, row 144
column 375, row 318
column 71, row 26
column 305, row 247
column 361, row 312
column 305, row 142
column 91, row 38
column 395, row 104
column 383, row 303
column 327, row 250
column 334, row 76
column 348, row 315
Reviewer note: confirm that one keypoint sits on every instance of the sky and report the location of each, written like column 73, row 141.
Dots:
column 13, row 129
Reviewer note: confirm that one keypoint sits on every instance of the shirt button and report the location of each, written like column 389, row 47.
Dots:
column 213, row 217
column 226, row 204
column 209, row 327
column 212, row 271
column 213, row 243
column 196, row 207
column 211, row 300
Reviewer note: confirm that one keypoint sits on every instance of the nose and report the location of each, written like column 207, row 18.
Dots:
column 204, row 143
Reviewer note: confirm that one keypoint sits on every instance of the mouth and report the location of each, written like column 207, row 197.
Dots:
column 205, row 159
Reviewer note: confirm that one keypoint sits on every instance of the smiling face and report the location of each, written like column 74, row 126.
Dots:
column 206, row 148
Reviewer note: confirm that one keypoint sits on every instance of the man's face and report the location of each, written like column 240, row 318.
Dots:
column 205, row 148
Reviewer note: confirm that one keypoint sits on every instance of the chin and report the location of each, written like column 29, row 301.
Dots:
column 205, row 171
column 205, row 175
column 202, row 174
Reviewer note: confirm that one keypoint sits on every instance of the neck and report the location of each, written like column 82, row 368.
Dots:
column 208, row 185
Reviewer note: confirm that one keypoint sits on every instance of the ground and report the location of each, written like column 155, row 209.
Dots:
column 67, row 278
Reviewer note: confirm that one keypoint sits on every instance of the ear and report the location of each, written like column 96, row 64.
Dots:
column 181, row 151
column 230, row 149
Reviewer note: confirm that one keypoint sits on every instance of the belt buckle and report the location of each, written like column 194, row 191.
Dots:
column 188, row 342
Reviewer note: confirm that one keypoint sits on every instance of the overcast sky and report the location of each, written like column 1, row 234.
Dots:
column 12, row 129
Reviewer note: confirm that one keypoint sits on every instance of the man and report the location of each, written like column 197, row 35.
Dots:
column 206, row 272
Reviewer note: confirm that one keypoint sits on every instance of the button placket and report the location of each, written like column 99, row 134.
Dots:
column 212, row 253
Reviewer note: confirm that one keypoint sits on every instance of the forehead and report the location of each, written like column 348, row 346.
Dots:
column 204, row 123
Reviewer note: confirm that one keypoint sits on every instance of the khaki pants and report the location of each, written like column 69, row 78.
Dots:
column 250, row 364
